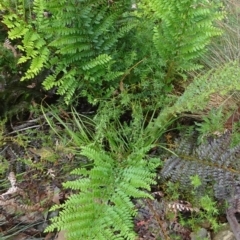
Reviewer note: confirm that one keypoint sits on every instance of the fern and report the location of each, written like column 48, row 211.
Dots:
column 118, row 171
column 74, row 36
column 99, row 41
column 215, row 164
column 103, row 208
column 223, row 80
column 183, row 31
column 85, row 44
column 22, row 26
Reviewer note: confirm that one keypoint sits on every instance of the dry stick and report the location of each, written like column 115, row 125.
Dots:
column 233, row 222
column 24, row 129
column 30, row 122
column 7, row 44
column 160, row 223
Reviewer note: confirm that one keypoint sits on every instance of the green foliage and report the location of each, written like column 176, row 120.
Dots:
column 213, row 123
column 103, row 208
column 207, row 204
column 106, row 50
column 14, row 96
column 208, row 214
column 89, row 45
column 204, row 175
column 195, row 181
column 76, row 40
column 203, row 208
column 85, row 46
column 223, row 80
column 8, row 63
column 183, row 31
column 214, row 162
column 22, row 23
column 117, row 171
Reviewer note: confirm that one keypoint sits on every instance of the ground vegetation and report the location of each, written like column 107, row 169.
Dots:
column 119, row 119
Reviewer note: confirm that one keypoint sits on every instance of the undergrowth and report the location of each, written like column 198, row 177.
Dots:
column 118, row 170
column 143, row 65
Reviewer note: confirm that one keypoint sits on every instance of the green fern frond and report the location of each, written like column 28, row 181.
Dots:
column 85, row 44
column 222, row 80
column 103, row 208
column 24, row 27
column 17, row 31
column 37, row 63
column 100, row 60
column 97, row 156
column 23, row 59
column 185, row 29
column 112, row 75
column 52, row 80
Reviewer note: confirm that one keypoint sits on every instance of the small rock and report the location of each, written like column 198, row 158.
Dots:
column 201, row 234
column 224, row 234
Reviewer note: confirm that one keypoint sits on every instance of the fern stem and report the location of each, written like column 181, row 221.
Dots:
column 121, row 87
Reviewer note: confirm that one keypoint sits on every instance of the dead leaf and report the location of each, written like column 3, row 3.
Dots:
column 22, row 236
column 56, row 196
column 61, row 235
column 33, row 85
column 49, row 236
column 44, row 152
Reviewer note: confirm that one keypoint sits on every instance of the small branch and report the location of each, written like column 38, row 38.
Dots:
column 121, row 87
column 233, row 222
